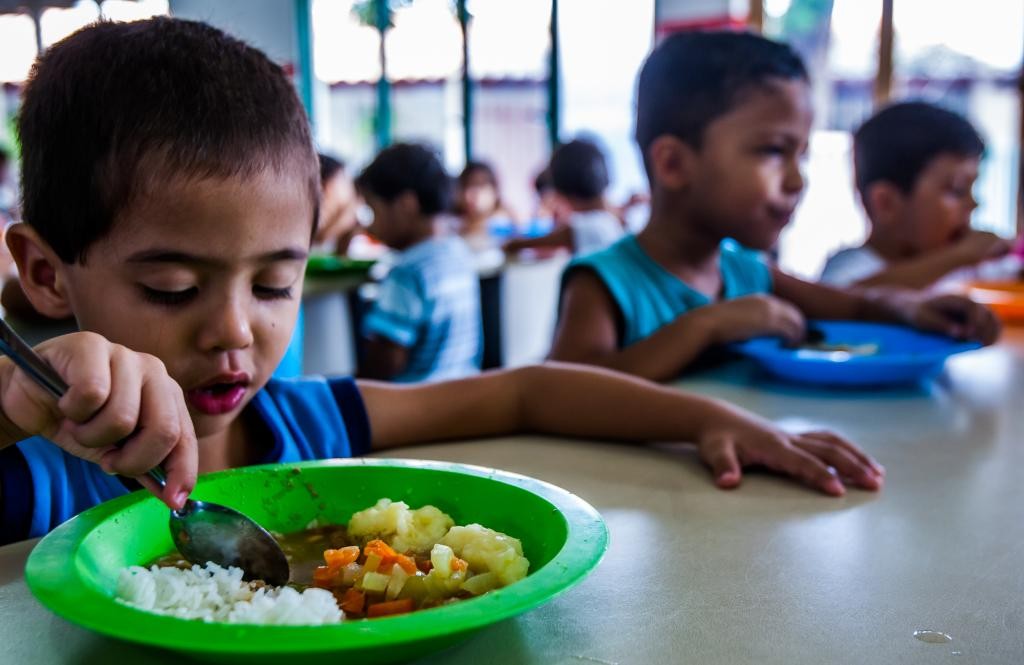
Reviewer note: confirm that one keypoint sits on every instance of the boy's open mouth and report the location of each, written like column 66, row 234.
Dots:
column 217, row 398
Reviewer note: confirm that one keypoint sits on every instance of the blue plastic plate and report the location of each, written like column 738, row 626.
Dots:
column 878, row 354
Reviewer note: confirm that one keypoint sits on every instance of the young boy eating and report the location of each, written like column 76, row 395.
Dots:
column 170, row 191
column 915, row 165
column 723, row 120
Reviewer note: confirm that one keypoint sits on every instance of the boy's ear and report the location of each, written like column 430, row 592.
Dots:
column 407, row 204
column 883, row 201
column 671, row 162
column 42, row 273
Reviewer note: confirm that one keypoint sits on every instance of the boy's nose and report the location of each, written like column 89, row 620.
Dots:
column 227, row 328
column 794, row 180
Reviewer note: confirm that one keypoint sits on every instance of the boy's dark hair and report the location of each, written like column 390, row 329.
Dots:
column 408, row 167
column 542, row 183
column 692, row 78
column 478, row 167
column 329, row 166
column 896, row 144
column 579, row 170
column 117, row 107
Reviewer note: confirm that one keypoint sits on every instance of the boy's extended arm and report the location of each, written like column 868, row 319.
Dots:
column 559, row 238
column 923, row 271
column 591, row 403
column 951, row 315
column 917, row 273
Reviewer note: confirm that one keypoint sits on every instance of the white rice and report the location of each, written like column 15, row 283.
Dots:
column 216, row 594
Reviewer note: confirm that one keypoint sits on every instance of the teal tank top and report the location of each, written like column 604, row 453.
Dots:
column 649, row 297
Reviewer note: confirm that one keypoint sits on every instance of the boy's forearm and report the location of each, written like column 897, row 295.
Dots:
column 591, row 403
column 916, row 273
column 819, row 301
column 660, row 357
column 560, row 238
column 554, row 398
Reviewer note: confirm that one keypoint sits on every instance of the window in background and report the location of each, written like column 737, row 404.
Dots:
column 509, row 45
column 967, row 57
column 602, row 46
column 17, row 34
column 838, row 40
column 345, row 60
column 424, row 64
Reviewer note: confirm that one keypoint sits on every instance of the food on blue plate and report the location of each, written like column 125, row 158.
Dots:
column 390, row 559
column 866, row 349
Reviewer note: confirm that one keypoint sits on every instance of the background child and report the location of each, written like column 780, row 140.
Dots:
column 176, row 230
column 579, row 175
column 723, row 121
column 478, row 206
column 338, row 202
column 915, row 165
column 425, row 323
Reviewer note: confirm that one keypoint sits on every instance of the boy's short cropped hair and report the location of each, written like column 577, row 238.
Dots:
column 692, row 78
column 408, row 167
column 578, row 170
column 116, row 108
column 329, row 166
column 896, row 144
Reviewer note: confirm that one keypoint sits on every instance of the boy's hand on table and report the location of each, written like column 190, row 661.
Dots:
column 114, row 394
column 822, row 460
column 955, row 316
column 744, row 318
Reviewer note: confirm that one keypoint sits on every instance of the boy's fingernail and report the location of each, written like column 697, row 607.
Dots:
column 180, row 498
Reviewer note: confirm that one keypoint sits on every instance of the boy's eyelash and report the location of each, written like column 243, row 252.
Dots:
column 159, row 297
column 268, row 293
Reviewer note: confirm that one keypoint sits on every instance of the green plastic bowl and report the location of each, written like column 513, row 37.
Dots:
column 327, row 264
column 73, row 571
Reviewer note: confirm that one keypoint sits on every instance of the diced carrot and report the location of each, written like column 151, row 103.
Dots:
column 324, row 577
column 388, row 556
column 391, row 607
column 459, row 564
column 406, row 563
column 353, row 601
column 341, row 557
column 380, row 548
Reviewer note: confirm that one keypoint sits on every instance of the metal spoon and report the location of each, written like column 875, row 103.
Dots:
column 201, row 531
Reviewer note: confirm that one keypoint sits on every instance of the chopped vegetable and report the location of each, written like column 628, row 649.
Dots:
column 390, row 608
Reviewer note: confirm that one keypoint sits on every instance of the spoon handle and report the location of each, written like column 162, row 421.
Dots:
column 40, row 371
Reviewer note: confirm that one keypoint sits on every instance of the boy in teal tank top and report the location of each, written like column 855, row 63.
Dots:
column 723, row 121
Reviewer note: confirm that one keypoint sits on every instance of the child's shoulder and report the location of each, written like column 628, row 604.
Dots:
column 851, row 264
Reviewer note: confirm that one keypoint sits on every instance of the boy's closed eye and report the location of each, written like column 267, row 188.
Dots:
column 183, row 296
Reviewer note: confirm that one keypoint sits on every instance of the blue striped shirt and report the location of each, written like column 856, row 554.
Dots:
column 430, row 304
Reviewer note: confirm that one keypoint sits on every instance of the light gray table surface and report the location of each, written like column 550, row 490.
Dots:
column 769, row 573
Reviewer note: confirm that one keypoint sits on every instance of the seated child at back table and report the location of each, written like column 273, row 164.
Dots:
column 915, row 165
column 579, row 176
column 425, row 324
column 723, row 120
